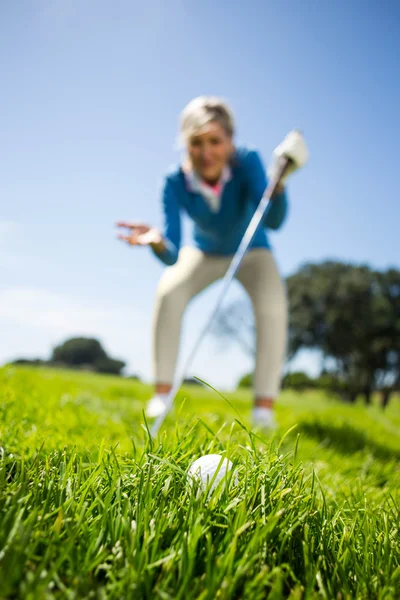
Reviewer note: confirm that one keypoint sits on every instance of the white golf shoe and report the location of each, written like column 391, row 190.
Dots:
column 263, row 418
column 156, row 406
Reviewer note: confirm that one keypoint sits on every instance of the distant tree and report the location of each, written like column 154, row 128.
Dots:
column 86, row 353
column 109, row 365
column 329, row 382
column 352, row 315
column 246, row 381
column 236, row 322
column 29, row 361
column 297, row 381
column 79, row 351
column 389, row 346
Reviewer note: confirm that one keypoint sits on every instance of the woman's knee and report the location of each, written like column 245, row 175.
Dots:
column 172, row 296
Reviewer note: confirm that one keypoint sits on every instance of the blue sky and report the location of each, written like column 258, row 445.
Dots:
column 90, row 98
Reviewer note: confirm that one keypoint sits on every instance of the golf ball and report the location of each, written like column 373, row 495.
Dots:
column 204, row 468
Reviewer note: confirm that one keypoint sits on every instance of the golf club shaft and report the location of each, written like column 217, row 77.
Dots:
column 255, row 222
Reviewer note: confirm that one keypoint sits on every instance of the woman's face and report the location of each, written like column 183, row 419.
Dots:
column 209, row 151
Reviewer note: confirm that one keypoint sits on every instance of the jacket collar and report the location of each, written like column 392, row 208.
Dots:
column 211, row 194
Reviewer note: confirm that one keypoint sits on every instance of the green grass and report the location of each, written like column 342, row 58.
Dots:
column 90, row 507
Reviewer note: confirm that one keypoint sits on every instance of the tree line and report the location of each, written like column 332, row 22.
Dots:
column 79, row 353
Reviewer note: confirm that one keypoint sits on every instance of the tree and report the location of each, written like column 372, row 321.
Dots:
column 236, row 322
column 109, row 365
column 352, row 314
column 35, row 362
column 79, row 351
column 88, row 353
column 389, row 283
column 297, row 380
column 246, row 381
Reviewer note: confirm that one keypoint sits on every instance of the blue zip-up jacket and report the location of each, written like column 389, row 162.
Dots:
column 220, row 233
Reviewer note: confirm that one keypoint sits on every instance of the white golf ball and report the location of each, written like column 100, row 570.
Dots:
column 203, row 469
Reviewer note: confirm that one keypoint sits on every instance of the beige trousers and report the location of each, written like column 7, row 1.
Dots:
column 192, row 273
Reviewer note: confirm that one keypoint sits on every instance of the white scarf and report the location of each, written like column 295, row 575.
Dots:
column 211, row 196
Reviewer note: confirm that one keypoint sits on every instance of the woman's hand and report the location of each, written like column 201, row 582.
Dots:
column 142, row 235
column 279, row 189
column 293, row 147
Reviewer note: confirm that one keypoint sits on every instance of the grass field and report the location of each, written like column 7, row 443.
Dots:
column 91, row 508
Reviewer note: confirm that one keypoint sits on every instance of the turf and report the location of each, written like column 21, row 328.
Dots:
column 90, row 507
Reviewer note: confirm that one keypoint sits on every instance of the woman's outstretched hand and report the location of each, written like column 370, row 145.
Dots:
column 141, row 235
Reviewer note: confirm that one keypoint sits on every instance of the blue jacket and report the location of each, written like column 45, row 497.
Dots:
column 220, row 233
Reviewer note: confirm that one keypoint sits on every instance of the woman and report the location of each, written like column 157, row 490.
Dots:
column 219, row 186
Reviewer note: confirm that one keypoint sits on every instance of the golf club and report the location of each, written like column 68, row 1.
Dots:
column 255, row 222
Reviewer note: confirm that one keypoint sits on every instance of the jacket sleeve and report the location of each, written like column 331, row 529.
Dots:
column 256, row 180
column 171, row 225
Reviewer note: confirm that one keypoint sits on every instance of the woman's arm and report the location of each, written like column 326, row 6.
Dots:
column 167, row 251
column 257, row 182
column 165, row 246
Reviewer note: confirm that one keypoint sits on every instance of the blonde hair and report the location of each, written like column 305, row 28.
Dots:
column 201, row 111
